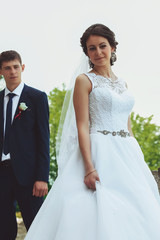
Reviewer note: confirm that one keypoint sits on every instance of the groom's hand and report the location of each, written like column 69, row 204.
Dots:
column 40, row 189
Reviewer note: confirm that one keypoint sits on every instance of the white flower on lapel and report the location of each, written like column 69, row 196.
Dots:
column 22, row 107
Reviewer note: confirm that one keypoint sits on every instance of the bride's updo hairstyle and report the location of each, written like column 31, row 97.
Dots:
column 103, row 31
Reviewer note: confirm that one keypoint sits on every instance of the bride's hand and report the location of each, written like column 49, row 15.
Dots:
column 90, row 179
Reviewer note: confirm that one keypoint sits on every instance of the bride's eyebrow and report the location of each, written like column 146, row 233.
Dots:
column 102, row 43
column 99, row 44
column 91, row 46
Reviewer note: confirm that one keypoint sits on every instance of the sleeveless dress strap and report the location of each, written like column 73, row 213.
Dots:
column 91, row 78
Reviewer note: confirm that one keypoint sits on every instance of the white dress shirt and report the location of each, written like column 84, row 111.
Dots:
column 15, row 101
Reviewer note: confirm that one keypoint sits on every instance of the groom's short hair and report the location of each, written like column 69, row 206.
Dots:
column 9, row 56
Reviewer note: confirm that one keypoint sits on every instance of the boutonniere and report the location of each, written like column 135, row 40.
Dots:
column 22, row 107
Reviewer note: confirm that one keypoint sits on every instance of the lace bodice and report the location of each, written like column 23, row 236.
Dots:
column 110, row 104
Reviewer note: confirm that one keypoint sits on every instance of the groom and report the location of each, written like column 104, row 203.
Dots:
column 24, row 147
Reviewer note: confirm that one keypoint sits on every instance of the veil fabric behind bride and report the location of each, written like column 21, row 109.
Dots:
column 67, row 131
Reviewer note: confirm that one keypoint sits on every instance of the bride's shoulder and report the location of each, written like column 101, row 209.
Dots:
column 82, row 78
column 83, row 81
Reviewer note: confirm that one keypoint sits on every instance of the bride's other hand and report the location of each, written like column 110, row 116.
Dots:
column 90, row 179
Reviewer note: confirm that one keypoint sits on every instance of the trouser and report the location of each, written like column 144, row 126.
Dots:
column 12, row 192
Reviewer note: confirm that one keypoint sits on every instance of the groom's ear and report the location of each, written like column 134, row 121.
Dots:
column 23, row 67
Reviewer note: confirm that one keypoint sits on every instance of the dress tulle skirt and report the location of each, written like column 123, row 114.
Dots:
column 125, row 205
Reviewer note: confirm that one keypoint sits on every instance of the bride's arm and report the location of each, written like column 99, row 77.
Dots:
column 81, row 102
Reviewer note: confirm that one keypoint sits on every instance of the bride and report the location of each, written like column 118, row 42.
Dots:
column 104, row 190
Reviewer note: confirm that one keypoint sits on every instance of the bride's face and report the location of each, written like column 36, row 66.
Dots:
column 99, row 50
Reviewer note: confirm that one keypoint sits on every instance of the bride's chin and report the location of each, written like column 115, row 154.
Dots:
column 100, row 65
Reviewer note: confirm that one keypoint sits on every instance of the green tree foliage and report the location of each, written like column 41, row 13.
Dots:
column 1, row 83
column 56, row 98
column 148, row 137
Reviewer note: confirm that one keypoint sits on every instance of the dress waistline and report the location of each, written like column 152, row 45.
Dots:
column 120, row 133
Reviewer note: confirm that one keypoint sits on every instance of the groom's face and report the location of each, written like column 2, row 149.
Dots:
column 11, row 72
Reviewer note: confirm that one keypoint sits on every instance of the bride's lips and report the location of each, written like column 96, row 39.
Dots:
column 99, row 58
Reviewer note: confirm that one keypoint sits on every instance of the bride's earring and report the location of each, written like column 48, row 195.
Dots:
column 113, row 58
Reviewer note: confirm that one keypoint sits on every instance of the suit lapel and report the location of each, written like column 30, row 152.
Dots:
column 23, row 98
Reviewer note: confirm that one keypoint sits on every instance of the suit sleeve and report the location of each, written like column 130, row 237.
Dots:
column 42, row 133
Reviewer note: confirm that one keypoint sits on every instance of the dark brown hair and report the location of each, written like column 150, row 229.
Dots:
column 9, row 56
column 98, row 30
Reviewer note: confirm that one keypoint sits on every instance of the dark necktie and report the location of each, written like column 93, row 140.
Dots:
column 8, row 124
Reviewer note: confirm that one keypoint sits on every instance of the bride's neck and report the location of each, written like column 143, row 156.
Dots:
column 104, row 71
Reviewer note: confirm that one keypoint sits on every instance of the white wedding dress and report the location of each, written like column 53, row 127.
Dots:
column 126, row 203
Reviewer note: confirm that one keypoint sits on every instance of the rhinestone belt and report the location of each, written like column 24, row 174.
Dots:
column 120, row 133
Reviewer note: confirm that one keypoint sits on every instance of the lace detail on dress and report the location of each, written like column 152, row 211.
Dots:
column 118, row 85
column 110, row 104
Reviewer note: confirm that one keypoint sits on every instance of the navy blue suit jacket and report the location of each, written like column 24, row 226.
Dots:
column 29, row 137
